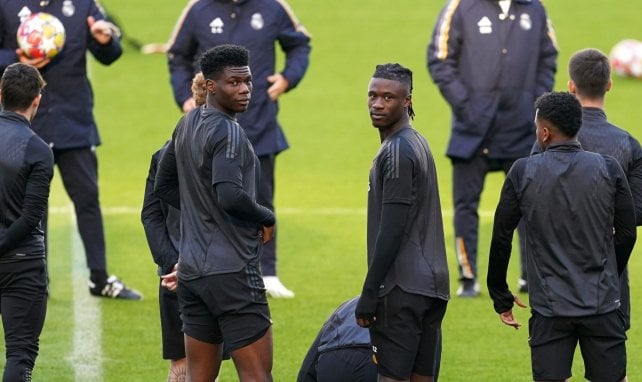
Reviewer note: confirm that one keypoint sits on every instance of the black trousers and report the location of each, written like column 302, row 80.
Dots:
column 23, row 304
column 79, row 172
column 468, row 184
column 265, row 197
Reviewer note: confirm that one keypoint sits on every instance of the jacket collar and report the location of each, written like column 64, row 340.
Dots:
column 593, row 113
column 15, row 117
column 567, row 146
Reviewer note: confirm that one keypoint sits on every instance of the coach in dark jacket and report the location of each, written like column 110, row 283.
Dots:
column 580, row 230
column 491, row 59
column 65, row 119
column 256, row 25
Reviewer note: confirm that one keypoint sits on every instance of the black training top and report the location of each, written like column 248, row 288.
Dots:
column 211, row 166
column 26, row 169
column 403, row 172
column 600, row 136
column 161, row 222
column 580, row 229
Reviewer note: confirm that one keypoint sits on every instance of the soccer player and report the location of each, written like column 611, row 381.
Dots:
column 406, row 289
column 491, row 60
column 211, row 173
column 26, row 169
column 580, row 229
column 257, row 25
column 590, row 73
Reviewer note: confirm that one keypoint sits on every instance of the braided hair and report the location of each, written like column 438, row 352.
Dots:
column 396, row 72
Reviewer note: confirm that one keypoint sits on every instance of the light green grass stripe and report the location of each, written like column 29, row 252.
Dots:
column 86, row 357
column 329, row 211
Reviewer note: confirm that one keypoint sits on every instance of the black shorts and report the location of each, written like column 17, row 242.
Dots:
column 171, row 324
column 602, row 343
column 405, row 335
column 229, row 307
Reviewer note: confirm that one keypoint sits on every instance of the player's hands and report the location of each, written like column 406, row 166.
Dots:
column 102, row 30
column 38, row 63
column 170, row 280
column 189, row 105
column 267, row 233
column 507, row 316
column 279, row 85
column 366, row 310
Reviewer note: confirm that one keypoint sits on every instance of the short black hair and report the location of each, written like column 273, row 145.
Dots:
column 590, row 70
column 396, row 72
column 562, row 109
column 19, row 86
column 216, row 59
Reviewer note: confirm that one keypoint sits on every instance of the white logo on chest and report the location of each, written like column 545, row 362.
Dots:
column 485, row 25
column 525, row 21
column 24, row 13
column 68, row 8
column 217, row 25
column 257, row 21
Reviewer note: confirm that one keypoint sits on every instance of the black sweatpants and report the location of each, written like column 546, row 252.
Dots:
column 23, row 303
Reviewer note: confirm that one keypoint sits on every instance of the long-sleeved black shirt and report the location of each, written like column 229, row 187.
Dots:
column 26, row 169
column 161, row 222
column 580, row 229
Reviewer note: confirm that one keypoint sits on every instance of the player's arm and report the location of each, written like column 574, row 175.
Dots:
column 229, row 155
column 237, row 203
column 635, row 178
column 443, row 57
column 182, row 48
column 166, row 181
column 396, row 171
column 36, row 195
column 391, row 232
column 624, row 217
column 547, row 62
column 154, row 223
column 103, row 37
column 507, row 216
column 295, row 43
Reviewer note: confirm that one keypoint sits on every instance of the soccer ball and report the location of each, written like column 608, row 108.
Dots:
column 626, row 58
column 41, row 35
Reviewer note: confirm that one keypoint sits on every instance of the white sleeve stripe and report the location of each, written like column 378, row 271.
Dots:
column 295, row 21
column 442, row 37
column 180, row 22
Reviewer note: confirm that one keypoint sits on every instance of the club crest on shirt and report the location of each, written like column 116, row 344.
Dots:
column 525, row 21
column 256, row 22
column 217, row 25
column 68, row 8
column 485, row 25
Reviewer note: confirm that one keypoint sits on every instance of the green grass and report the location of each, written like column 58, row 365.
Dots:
column 321, row 255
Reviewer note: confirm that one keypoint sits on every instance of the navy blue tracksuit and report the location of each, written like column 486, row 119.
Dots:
column 490, row 66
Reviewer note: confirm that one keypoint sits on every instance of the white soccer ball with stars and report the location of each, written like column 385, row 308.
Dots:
column 626, row 58
column 41, row 35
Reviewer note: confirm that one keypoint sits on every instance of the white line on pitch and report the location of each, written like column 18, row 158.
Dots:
column 86, row 357
column 328, row 211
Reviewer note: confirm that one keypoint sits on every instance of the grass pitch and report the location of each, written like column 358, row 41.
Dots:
column 321, row 191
